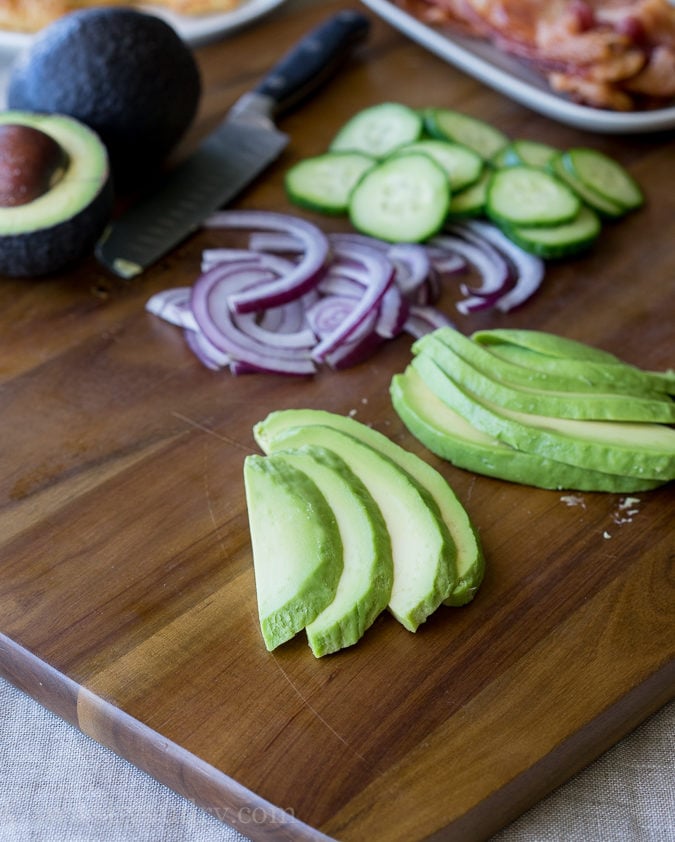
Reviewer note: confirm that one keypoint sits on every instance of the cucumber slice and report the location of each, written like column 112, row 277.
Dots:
column 448, row 124
column 558, row 240
column 462, row 165
column 525, row 195
column 378, row 130
column 604, row 176
column 471, row 201
column 325, row 182
column 403, row 199
column 605, row 207
column 530, row 152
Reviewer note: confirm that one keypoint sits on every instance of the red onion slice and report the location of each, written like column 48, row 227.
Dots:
column 173, row 305
column 494, row 270
column 301, row 278
column 205, row 351
column 328, row 314
column 529, row 269
column 423, row 320
column 380, row 277
column 392, row 313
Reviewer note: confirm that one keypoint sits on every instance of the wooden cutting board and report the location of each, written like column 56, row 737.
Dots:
column 127, row 601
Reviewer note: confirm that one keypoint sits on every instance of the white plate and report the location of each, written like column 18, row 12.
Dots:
column 510, row 77
column 195, row 30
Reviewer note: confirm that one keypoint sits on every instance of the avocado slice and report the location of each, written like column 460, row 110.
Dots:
column 297, row 548
column 556, row 356
column 493, row 379
column 422, row 548
column 645, row 450
column 450, row 436
column 62, row 168
column 470, row 560
column 365, row 585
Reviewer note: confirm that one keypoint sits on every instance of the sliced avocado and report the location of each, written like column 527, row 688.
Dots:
column 493, row 379
column 422, row 548
column 608, row 375
column 56, row 193
column 297, row 549
column 469, row 561
column 364, row 588
column 450, row 436
column 124, row 73
column 645, row 450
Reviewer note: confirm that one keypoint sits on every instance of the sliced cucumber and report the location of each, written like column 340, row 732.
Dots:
column 448, row 124
column 525, row 195
column 604, row 176
column 561, row 240
column 462, row 165
column 471, row 201
column 530, row 152
column 378, row 130
column 605, row 207
column 403, row 199
column 325, row 182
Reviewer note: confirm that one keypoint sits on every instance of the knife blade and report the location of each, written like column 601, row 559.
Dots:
column 232, row 156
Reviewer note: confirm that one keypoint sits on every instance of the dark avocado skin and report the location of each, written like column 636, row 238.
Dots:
column 48, row 250
column 125, row 74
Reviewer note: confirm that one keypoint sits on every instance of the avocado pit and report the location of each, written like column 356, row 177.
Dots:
column 31, row 163
column 56, row 192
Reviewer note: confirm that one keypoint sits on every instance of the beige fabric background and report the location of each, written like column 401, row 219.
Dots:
column 57, row 785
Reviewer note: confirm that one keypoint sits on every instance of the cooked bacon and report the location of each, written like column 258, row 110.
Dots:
column 616, row 54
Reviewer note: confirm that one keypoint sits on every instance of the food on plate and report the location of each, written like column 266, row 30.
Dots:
column 519, row 184
column 31, row 15
column 612, row 54
column 56, row 193
column 126, row 75
column 469, row 559
column 534, row 408
column 405, row 543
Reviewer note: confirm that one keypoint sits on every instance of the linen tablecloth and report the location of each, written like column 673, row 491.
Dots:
column 58, row 785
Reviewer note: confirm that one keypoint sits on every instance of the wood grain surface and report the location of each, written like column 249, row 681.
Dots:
column 127, row 600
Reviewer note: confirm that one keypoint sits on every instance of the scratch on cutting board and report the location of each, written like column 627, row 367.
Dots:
column 211, row 432
column 316, row 713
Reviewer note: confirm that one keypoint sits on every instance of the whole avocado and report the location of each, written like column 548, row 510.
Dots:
column 56, row 194
column 124, row 73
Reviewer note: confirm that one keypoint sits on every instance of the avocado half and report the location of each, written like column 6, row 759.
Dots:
column 56, row 193
column 124, row 73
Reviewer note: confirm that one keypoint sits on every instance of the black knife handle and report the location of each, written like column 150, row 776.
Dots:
column 313, row 59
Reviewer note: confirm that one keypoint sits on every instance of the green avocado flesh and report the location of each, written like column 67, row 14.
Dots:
column 469, row 560
column 422, row 548
column 365, row 585
column 604, row 453
column 452, row 437
column 297, row 548
column 79, row 186
column 62, row 224
column 511, row 386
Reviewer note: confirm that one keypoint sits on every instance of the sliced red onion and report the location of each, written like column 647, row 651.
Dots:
column 494, row 270
column 248, row 325
column 173, row 305
column 529, row 269
column 210, row 296
column 301, row 278
column 334, row 283
column 423, row 320
column 354, row 352
column 381, row 275
column 205, row 351
column 328, row 313
column 267, row 241
column 412, row 264
column 393, row 312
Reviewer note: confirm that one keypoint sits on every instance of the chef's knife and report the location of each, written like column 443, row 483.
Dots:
column 232, row 156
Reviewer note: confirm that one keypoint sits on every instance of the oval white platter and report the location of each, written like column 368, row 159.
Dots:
column 513, row 79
